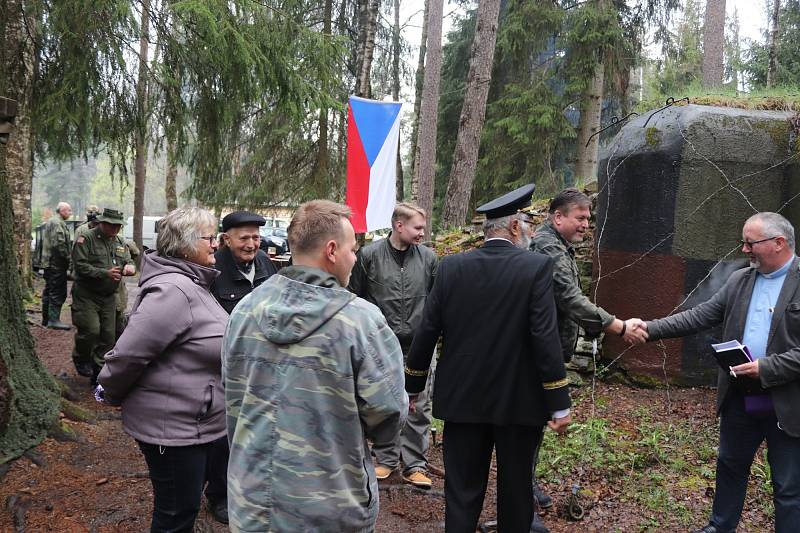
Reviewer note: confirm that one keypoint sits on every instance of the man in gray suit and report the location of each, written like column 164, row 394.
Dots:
column 759, row 306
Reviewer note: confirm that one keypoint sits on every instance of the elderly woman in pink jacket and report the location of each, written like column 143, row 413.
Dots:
column 165, row 372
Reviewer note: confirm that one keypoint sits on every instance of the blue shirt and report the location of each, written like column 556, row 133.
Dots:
column 766, row 290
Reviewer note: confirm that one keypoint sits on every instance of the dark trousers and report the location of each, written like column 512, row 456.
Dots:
column 178, row 474
column 55, row 289
column 467, row 458
column 94, row 316
column 740, row 437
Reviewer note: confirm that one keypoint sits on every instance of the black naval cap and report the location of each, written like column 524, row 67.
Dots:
column 509, row 203
column 242, row 218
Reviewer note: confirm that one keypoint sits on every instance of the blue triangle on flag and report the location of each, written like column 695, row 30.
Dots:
column 373, row 119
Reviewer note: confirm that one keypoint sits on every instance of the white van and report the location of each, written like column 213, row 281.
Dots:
column 149, row 231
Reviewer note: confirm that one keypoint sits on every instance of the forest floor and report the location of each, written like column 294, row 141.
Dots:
column 644, row 459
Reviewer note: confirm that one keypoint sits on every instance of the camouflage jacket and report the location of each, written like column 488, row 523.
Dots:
column 310, row 373
column 573, row 306
column 56, row 244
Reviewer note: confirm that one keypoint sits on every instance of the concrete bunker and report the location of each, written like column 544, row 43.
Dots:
column 675, row 188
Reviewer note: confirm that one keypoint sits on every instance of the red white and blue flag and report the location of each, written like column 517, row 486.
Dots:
column 373, row 134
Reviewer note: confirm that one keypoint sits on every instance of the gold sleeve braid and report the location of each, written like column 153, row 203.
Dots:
column 416, row 373
column 550, row 385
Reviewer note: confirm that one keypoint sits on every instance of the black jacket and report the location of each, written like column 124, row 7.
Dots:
column 231, row 285
column 501, row 360
column 399, row 292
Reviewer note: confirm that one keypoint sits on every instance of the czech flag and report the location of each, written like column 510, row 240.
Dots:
column 373, row 134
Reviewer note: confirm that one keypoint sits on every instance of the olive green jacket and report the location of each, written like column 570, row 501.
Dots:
column 93, row 255
column 574, row 307
column 56, row 244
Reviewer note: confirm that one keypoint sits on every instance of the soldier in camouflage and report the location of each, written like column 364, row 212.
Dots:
column 100, row 260
column 56, row 247
column 567, row 222
column 310, row 372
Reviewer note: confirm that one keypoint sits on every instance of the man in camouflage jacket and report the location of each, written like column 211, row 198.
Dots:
column 567, row 222
column 56, row 247
column 310, row 372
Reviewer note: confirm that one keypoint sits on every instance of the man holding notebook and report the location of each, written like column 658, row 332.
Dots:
column 760, row 306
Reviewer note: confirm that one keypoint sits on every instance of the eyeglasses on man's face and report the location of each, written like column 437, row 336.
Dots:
column 749, row 244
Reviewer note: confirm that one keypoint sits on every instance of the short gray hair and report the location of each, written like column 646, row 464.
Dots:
column 775, row 225
column 179, row 231
column 492, row 226
column 62, row 205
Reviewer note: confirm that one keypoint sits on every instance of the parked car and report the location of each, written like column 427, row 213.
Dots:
column 276, row 238
column 149, row 231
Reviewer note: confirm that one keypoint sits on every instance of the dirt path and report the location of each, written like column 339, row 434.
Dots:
column 646, row 463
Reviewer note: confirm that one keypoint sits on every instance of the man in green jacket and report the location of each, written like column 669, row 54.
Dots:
column 311, row 372
column 567, row 222
column 396, row 274
column 55, row 259
column 100, row 260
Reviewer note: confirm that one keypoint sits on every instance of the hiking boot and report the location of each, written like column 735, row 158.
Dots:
column 542, row 498
column 83, row 368
column 54, row 319
column 537, row 526
column 383, row 472
column 418, row 479
column 219, row 510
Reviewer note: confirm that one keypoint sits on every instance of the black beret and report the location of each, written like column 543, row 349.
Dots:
column 509, row 203
column 242, row 218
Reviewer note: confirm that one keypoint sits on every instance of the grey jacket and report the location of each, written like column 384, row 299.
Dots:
column 165, row 368
column 399, row 292
column 779, row 371
column 311, row 372
column 574, row 308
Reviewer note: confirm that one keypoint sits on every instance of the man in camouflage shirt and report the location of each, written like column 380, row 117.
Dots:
column 567, row 222
column 311, row 372
column 56, row 247
column 100, row 260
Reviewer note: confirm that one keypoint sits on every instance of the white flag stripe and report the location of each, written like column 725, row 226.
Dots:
column 383, row 182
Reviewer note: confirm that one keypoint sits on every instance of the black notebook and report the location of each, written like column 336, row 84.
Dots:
column 733, row 353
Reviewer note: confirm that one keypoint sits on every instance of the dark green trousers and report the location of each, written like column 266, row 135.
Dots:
column 94, row 316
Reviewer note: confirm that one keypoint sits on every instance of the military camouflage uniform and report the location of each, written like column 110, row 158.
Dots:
column 310, row 372
column 56, row 247
column 573, row 306
column 94, row 300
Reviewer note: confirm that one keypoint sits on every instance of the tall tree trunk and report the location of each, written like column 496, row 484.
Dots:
column 773, row 43
column 714, row 44
column 20, row 55
column 429, row 111
column 418, row 83
column 140, row 165
column 319, row 175
column 28, row 394
column 396, row 89
column 473, row 114
column 588, row 124
column 171, row 178
column 363, row 85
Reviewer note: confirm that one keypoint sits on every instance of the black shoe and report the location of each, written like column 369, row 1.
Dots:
column 541, row 497
column 537, row 526
column 93, row 379
column 219, row 510
column 708, row 529
column 83, row 368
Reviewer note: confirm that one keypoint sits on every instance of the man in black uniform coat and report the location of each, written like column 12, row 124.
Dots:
column 242, row 265
column 501, row 376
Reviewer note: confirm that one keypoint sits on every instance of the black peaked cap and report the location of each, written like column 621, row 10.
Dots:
column 509, row 203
